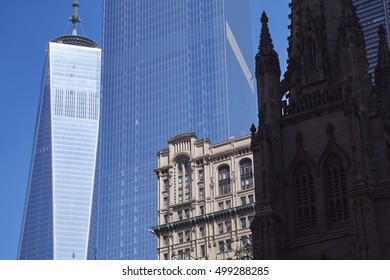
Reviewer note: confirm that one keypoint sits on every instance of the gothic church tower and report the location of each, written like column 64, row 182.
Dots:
column 322, row 146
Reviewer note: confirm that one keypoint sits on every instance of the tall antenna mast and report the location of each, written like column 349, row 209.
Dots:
column 75, row 19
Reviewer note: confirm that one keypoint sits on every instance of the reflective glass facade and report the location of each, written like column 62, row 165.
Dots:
column 170, row 66
column 59, row 203
column 371, row 14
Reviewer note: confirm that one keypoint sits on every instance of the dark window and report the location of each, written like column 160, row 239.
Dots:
column 305, row 195
column 246, row 174
column 224, row 180
column 336, row 181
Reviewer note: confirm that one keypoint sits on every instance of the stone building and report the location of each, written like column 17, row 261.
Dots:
column 206, row 199
column 321, row 150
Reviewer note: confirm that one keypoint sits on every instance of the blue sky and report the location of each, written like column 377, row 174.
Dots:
column 27, row 27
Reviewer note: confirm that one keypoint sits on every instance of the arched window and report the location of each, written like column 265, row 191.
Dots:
column 312, row 50
column 336, row 182
column 224, row 180
column 305, row 197
column 246, row 174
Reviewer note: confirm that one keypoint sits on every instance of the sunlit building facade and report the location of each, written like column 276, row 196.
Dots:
column 59, row 202
column 206, row 195
column 371, row 14
column 169, row 67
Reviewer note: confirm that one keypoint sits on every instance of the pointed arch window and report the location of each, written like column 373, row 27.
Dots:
column 305, row 197
column 312, row 51
column 246, row 174
column 224, row 180
column 336, row 182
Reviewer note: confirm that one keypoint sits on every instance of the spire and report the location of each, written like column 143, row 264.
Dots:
column 75, row 19
column 383, row 49
column 266, row 56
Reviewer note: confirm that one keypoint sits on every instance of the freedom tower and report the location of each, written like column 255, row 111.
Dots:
column 59, row 203
column 169, row 67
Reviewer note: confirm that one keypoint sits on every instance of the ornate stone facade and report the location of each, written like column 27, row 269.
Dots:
column 322, row 147
column 206, row 199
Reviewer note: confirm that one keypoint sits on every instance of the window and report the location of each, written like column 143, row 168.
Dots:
column 180, row 237
column 228, row 226
column 180, row 254
column 243, row 200
column 305, row 197
column 180, row 198
column 224, row 180
column 188, row 196
column 166, row 202
column 229, row 244
column 201, row 175
column 201, row 209
column 166, row 240
column 187, row 212
column 179, row 215
column 180, row 182
column 336, row 182
column 202, row 232
column 188, row 180
column 250, row 197
column 221, row 246
column 220, row 228
column 246, row 174
column 243, row 222
column 202, row 251
column 187, row 254
column 312, row 54
column 201, row 193
column 244, row 240
column 220, row 206
column 228, row 204
column 166, row 218
column 166, row 184
column 188, row 235
column 165, row 256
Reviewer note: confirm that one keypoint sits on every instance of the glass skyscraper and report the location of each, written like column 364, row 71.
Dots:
column 59, row 203
column 371, row 14
column 169, row 67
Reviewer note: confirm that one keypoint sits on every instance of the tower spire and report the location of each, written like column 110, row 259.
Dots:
column 75, row 19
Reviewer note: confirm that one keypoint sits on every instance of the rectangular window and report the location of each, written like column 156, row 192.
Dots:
column 201, row 193
column 243, row 222
column 202, row 251
column 165, row 256
column 229, row 244
column 166, row 240
column 200, row 175
column 220, row 206
column 188, row 181
column 250, row 199
column 221, row 246
column 228, row 204
column 180, row 215
column 188, row 235
column 228, row 226
column 180, row 198
column 180, row 237
column 166, row 184
column 166, row 218
column 202, row 232
column 187, row 254
column 220, row 228
column 187, row 212
column 201, row 210
column 243, row 200
column 180, row 182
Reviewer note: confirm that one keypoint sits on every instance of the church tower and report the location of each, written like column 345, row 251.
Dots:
column 321, row 149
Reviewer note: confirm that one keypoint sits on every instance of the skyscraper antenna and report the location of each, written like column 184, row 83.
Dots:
column 75, row 19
